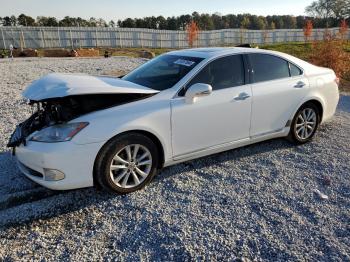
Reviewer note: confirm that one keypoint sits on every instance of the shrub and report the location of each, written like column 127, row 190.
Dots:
column 192, row 33
column 343, row 29
column 331, row 53
column 308, row 27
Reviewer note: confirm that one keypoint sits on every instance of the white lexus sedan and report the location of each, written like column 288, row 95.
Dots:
column 117, row 133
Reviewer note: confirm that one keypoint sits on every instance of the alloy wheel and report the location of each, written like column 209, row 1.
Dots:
column 131, row 166
column 306, row 123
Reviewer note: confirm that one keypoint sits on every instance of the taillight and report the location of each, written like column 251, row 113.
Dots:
column 337, row 80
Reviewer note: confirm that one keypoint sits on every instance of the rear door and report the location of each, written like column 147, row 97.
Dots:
column 278, row 86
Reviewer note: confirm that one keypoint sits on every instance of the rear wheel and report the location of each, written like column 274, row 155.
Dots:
column 305, row 124
column 127, row 163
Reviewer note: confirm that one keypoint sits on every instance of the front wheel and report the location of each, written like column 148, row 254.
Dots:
column 127, row 163
column 305, row 124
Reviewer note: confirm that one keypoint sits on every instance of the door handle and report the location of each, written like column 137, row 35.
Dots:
column 300, row 84
column 242, row 96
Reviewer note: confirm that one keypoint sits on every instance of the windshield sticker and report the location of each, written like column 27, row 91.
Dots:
column 184, row 62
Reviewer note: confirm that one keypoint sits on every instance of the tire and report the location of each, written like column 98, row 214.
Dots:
column 118, row 156
column 312, row 114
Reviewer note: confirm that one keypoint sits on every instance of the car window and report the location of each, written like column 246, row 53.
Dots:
column 222, row 73
column 163, row 72
column 268, row 67
column 294, row 70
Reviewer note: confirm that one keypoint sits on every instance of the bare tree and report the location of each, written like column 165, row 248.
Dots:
column 326, row 9
column 341, row 9
column 322, row 9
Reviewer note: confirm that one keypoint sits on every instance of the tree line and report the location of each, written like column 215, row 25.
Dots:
column 322, row 13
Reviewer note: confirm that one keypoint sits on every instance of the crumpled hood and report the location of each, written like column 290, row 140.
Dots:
column 61, row 85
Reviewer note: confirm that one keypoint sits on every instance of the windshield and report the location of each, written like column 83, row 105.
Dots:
column 163, row 72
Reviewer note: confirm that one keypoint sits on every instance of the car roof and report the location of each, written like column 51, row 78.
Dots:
column 206, row 52
column 209, row 52
column 212, row 52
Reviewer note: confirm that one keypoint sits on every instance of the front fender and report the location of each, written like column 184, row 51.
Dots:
column 151, row 117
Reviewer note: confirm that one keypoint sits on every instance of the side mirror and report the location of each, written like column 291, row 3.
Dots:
column 197, row 90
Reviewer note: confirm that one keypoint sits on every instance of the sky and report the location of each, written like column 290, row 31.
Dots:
column 121, row 9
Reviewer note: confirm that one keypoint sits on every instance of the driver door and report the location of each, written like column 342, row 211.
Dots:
column 218, row 118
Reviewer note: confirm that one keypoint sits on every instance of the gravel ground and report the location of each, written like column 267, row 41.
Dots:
column 255, row 203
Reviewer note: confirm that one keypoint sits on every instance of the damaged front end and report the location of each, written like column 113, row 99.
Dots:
column 63, row 98
column 62, row 110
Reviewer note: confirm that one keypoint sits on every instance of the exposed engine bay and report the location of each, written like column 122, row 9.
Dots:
column 61, row 110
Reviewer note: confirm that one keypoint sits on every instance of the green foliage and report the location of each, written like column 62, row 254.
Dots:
column 3, row 53
column 204, row 21
column 25, row 20
column 46, row 21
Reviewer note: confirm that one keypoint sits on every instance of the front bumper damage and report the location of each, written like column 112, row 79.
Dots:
column 58, row 166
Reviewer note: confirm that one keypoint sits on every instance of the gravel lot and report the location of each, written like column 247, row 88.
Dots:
column 255, row 203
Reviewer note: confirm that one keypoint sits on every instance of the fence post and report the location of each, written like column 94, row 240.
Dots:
column 3, row 38
column 13, row 37
column 295, row 36
column 178, row 39
column 135, row 42
column 20, row 41
column 96, row 38
column 71, row 38
column 222, row 38
column 120, row 39
column 59, row 37
column 42, row 38
column 79, row 36
column 160, row 40
column 141, row 38
column 154, row 40
column 285, row 36
column 24, row 41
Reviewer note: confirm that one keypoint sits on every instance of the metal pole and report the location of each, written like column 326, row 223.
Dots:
column 71, row 38
column 24, row 41
column 13, row 38
column 120, row 39
column 96, row 38
column 3, row 38
column 59, row 37
column 21, row 41
column 79, row 36
column 141, row 38
column 115, row 38
column 42, row 38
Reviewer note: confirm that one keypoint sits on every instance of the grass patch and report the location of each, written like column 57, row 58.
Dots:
column 300, row 50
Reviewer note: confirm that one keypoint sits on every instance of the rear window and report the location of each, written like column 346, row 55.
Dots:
column 294, row 70
column 268, row 67
column 163, row 72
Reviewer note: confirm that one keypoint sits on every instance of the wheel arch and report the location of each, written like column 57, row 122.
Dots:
column 319, row 106
column 148, row 134
column 318, row 102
